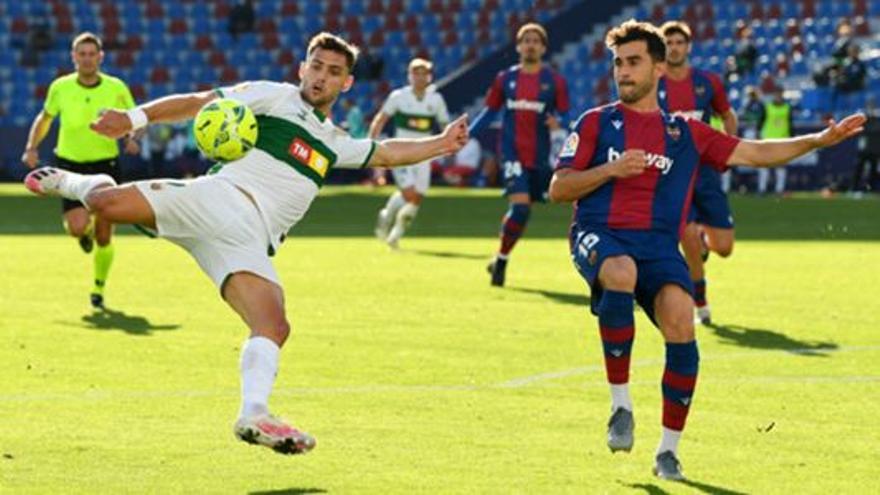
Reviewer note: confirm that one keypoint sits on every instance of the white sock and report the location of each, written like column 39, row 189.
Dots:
column 78, row 186
column 669, row 441
column 404, row 217
column 394, row 203
column 259, row 364
column 620, row 397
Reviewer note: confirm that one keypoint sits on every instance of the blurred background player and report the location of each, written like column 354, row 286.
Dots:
column 78, row 99
column 751, row 118
column 698, row 94
column 777, row 123
column 533, row 100
column 629, row 168
column 417, row 111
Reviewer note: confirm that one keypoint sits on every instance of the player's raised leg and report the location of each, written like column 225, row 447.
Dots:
column 673, row 308
column 617, row 275
column 260, row 304
column 99, row 193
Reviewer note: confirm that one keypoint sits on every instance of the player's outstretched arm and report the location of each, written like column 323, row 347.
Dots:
column 775, row 152
column 115, row 124
column 568, row 185
column 398, row 152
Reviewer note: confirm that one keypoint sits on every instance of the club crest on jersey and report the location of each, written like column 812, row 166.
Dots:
column 673, row 131
column 571, row 145
column 308, row 156
column 661, row 162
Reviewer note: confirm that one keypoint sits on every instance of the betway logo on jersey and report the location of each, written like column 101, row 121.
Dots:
column 661, row 162
column 532, row 106
column 308, row 156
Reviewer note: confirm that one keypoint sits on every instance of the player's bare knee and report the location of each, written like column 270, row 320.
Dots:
column 102, row 238
column 724, row 249
column 618, row 273
column 76, row 230
column 280, row 331
column 100, row 201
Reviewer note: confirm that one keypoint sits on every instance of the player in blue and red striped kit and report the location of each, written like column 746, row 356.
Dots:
column 630, row 168
column 699, row 94
column 533, row 101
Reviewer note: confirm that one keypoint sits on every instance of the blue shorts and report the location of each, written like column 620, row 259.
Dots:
column 710, row 206
column 658, row 261
column 519, row 179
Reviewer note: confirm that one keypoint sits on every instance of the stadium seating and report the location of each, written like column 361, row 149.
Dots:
column 161, row 46
column 792, row 36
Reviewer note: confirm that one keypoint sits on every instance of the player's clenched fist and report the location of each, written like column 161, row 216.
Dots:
column 456, row 134
column 630, row 164
column 112, row 123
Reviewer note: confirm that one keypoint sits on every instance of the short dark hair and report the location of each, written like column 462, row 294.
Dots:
column 633, row 30
column 87, row 37
column 329, row 41
column 533, row 27
column 676, row 27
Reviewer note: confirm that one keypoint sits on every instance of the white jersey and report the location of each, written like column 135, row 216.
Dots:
column 297, row 145
column 415, row 117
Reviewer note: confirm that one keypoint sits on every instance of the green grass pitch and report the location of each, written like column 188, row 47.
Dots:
column 416, row 376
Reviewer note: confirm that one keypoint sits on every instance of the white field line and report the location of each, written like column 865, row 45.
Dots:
column 540, row 379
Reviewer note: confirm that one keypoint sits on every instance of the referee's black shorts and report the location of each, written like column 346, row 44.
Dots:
column 109, row 167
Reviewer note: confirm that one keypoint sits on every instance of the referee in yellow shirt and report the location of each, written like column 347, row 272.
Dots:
column 79, row 98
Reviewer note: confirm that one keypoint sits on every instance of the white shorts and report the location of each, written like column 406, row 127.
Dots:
column 213, row 220
column 417, row 176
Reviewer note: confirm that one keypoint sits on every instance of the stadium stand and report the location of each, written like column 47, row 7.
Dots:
column 794, row 39
column 165, row 46
column 162, row 46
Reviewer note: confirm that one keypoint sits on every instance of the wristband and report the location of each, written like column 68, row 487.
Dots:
column 138, row 118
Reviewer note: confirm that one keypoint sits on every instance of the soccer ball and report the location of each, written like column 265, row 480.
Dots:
column 225, row 130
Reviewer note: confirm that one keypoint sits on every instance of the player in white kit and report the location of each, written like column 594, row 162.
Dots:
column 416, row 110
column 232, row 221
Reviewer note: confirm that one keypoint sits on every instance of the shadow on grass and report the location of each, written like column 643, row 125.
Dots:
column 560, row 297
column 449, row 254
column 289, row 491
column 110, row 319
column 760, row 338
column 652, row 489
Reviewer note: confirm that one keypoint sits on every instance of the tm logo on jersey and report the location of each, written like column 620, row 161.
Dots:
column 419, row 123
column 308, row 156
column 661, row 162
column 532, row 106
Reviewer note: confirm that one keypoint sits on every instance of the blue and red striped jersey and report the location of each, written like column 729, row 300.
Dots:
column 657, row 199
column 698, row 95
column 526, row 100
